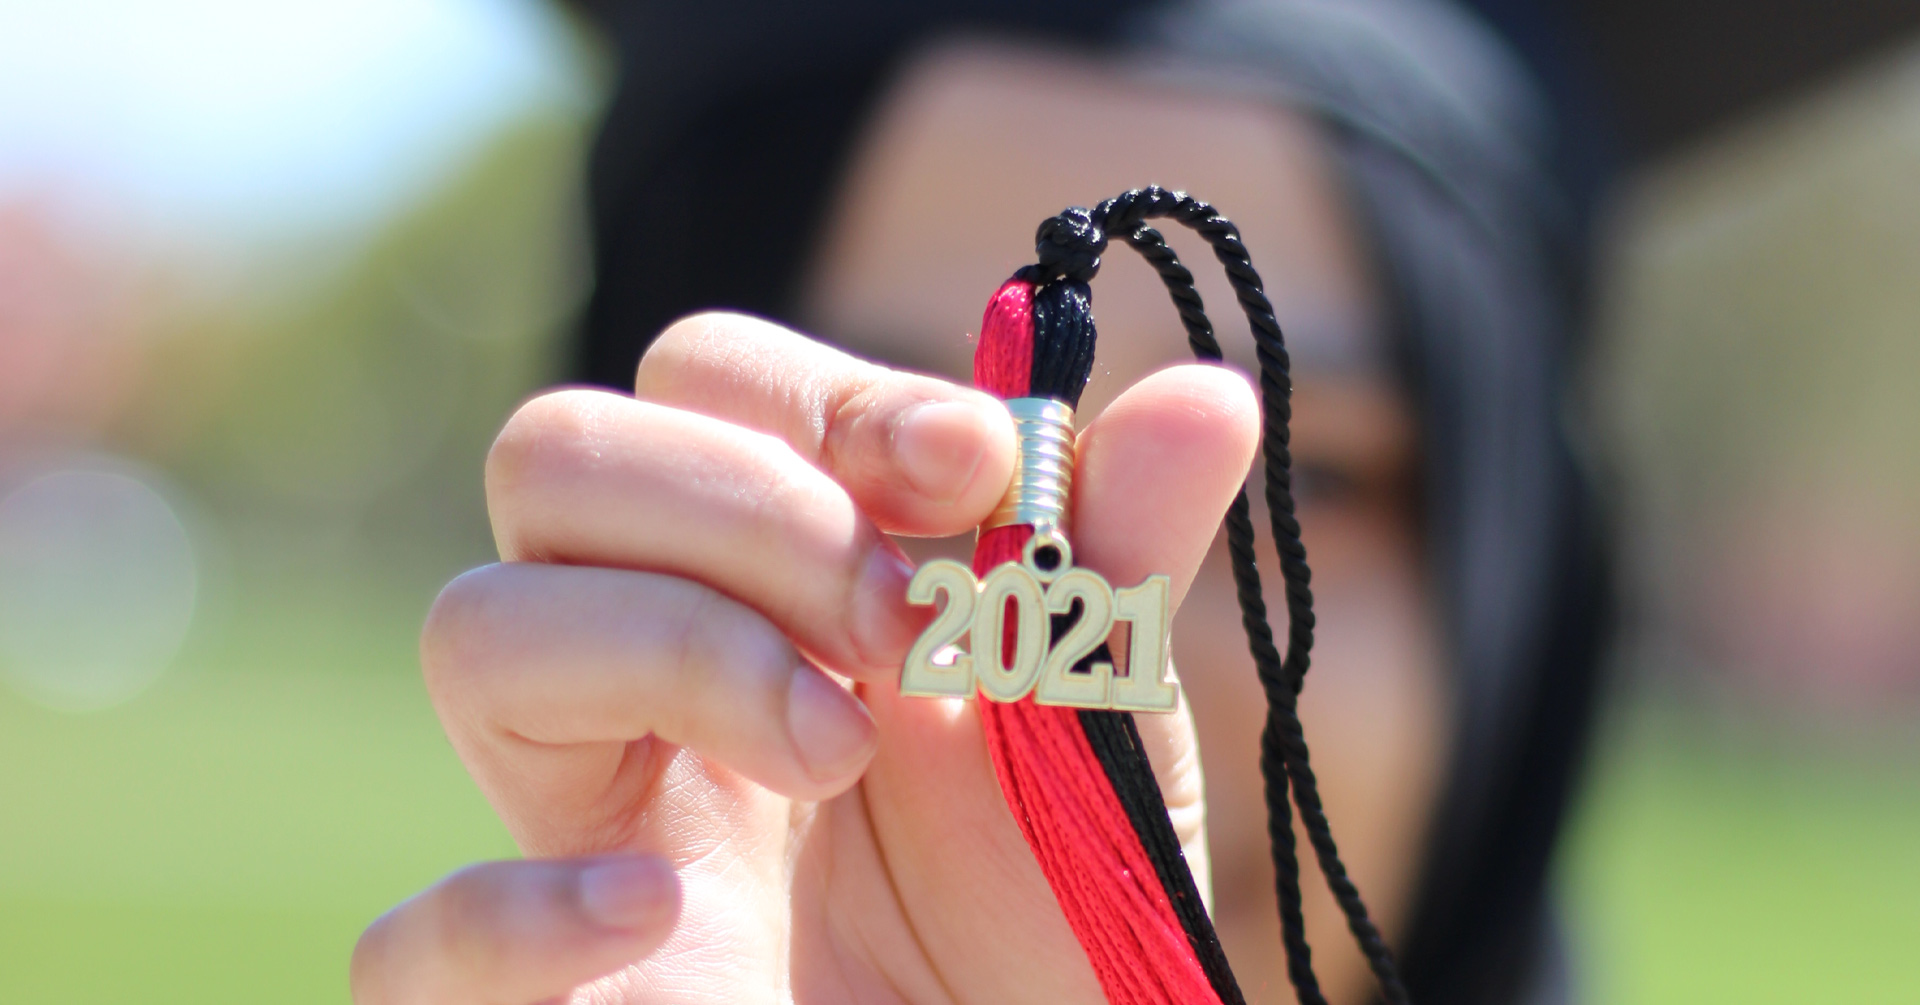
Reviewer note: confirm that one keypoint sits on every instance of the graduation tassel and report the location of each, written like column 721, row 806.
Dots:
column 1058, row 709
column 1082, row 804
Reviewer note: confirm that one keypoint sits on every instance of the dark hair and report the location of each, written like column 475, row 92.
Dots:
column 731, row 124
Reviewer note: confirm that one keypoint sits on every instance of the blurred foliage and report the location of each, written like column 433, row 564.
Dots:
column 356, row 412
column 226, row 836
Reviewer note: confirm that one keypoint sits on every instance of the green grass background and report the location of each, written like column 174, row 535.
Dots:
column 1729, row 863
column 225, row 837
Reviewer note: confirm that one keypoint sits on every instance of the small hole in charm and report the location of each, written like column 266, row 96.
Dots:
column 1047, row 553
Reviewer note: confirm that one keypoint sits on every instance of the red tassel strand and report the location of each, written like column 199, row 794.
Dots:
column 1055, row 785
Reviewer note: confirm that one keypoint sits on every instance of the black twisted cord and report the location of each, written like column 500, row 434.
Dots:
column 1063, row 347
column 1070, row 245
column 1284, row 740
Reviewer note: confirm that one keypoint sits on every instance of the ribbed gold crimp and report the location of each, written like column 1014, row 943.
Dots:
column 1042, row 466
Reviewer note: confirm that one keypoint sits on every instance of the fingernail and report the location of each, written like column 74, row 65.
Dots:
column 830, row 728
column 939, row 446
column 629, row 893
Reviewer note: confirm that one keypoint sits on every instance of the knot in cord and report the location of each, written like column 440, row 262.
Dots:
column 1069, row 245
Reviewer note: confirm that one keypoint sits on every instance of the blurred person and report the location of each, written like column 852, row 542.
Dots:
column 708, row 816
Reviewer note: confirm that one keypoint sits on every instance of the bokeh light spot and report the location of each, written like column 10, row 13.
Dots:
column 98, row 583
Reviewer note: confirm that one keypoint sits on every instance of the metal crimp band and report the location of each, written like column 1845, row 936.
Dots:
column 1042, row 465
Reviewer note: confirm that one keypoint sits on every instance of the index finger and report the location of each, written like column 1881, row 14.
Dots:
column 919, row 455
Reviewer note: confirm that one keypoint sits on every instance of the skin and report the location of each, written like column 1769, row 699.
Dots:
column 678, row 688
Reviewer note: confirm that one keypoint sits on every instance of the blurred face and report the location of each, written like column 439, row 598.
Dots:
column 971, row 150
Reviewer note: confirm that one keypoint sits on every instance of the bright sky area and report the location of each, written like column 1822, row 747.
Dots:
column 240, row 121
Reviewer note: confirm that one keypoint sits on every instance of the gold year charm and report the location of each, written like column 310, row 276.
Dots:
column 1044, row 582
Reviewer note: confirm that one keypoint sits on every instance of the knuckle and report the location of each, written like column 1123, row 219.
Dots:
column 667, row 714
column 367, row 970
column 458, row 929
column 440, row 940
column 711, row 345
column 550, row 438
column 721, row 639
column 452, row 641
column 771, row 377
column 861, row 419
column 842, row 410
column 550, row 429
column 671, row 349
column 735, row 638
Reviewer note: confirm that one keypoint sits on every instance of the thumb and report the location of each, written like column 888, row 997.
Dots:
column 1157, row 470
column 1155, row 474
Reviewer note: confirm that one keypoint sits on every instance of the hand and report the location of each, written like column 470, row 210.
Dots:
column 640, row 688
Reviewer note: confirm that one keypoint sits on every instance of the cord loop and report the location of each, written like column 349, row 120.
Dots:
column 1069, row 247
